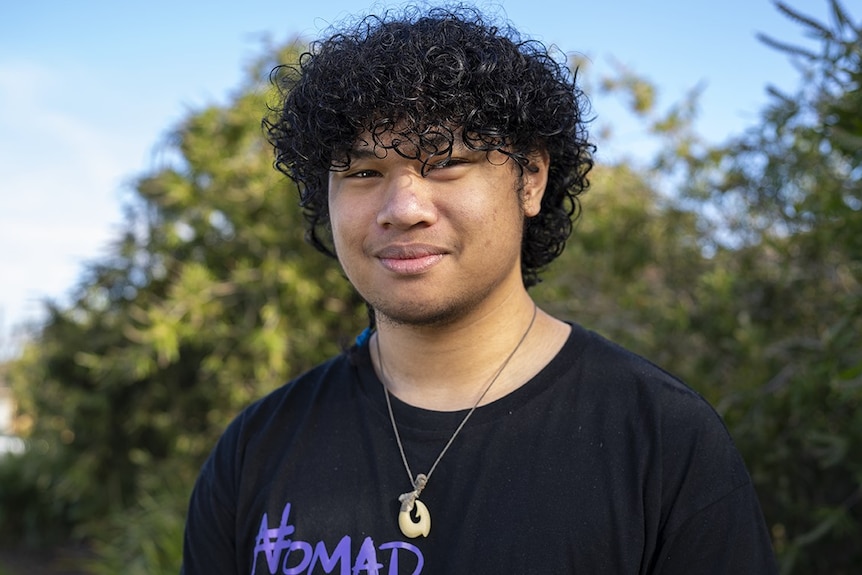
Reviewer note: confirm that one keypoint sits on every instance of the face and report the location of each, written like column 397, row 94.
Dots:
column 430, row 249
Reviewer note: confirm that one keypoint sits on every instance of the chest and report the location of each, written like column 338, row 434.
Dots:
column 513, row 495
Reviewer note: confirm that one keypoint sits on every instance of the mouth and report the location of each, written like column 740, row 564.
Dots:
column 412, row 259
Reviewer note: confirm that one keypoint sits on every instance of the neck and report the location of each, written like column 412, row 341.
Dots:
column 447, row 368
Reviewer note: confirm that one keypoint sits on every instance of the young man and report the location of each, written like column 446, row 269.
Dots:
column 467, row 432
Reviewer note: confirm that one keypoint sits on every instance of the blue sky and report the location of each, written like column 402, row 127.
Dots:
column 88, row 90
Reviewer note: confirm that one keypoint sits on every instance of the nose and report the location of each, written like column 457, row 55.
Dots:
column 407, row 201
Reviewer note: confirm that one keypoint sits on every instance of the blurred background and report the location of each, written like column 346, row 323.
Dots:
column 89, row 92
column 155, row 280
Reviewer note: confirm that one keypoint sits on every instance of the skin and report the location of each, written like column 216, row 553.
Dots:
column 438, row 257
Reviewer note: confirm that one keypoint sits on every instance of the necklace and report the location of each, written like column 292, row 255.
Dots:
column 410, row 499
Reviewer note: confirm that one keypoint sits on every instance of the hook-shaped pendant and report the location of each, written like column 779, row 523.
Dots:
column 411, row 528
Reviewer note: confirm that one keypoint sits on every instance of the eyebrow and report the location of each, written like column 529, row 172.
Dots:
column 444, row 146
column 363, row 153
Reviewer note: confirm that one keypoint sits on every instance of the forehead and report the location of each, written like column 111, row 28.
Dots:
column 423, row 145
column 409, row 143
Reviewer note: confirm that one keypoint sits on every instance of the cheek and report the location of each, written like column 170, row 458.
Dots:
column 342, row 218
column 341, row 233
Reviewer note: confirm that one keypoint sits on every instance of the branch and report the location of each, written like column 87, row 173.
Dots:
column 802, row 19
column 783, row 47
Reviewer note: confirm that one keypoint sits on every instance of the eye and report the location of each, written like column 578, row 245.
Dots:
column 362, row 174
column 448, row 163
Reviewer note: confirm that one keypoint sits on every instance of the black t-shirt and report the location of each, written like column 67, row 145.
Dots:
column 602, row 463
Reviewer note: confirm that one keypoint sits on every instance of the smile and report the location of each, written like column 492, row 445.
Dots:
column 409, row 260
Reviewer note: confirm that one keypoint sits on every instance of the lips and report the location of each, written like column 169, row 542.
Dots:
column 410, row 259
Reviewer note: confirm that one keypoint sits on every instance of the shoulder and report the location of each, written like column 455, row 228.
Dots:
column 604, row 358
column 683, row 448
column 668, row 417
column 610, row 370
column 280, row 412
column 316, row 387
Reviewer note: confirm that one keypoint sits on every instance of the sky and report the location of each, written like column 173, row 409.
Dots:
column 89, row 90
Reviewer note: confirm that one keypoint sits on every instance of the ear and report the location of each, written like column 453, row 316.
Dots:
column 535, row 179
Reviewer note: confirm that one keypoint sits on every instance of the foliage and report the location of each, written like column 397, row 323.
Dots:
column 637, row 292
column 738, row 267
column 757, row 258
column 207, row 301
column 28, row 516
column 782, row 303
column 147, row 538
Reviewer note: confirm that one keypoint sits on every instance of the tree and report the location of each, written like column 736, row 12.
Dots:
column 207, row 301
column 745, row 279
column 738, row 267
column 785, row 201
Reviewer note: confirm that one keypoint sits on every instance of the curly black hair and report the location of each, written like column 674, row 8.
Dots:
column 429, row 76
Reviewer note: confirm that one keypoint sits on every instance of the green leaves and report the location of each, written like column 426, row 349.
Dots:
column 738, row 267
column 208, row 300
column 743, row 275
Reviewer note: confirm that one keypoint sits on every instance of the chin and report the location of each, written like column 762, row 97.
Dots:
column 427, row 312
column 420, row 314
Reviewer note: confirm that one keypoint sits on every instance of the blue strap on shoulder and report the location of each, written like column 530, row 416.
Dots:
column 363, row 337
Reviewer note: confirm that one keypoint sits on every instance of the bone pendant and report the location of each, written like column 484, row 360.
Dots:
column 422, row 526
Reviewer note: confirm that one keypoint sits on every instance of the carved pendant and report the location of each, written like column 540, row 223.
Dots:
column 422, row 524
